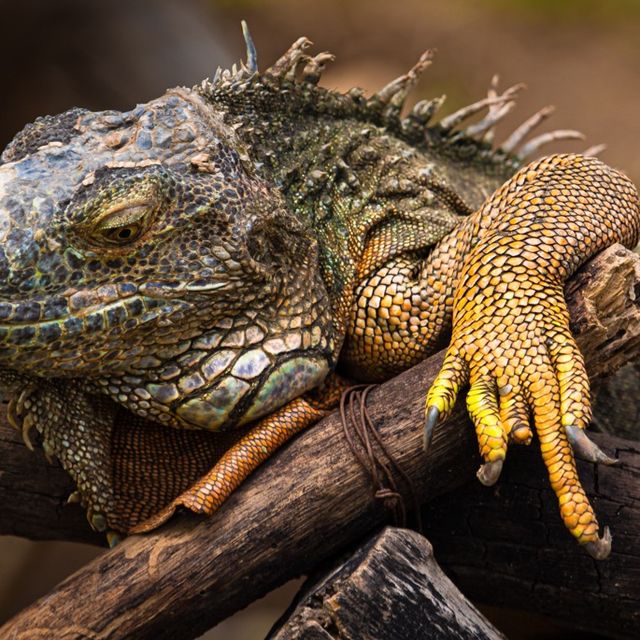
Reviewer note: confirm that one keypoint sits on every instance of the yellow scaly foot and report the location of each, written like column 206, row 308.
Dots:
column 511, row 340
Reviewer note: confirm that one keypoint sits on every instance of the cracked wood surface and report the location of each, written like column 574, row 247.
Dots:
column 505, row 545
column 390, row 587
column 308, row 503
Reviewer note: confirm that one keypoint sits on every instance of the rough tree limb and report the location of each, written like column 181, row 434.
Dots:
column 390, row 588
column 505, row 546
column 309, row 502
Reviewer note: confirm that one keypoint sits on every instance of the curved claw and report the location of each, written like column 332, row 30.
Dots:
column 23, row 396
column 113, row 538
column 433, row 413
column 16, row 414
column 601, row 548
column 97, row 521
column 489, row 472
column 12, row 416
column 585, row 448
column 27, row 424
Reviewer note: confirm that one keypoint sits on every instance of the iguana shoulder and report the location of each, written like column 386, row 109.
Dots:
column 370, row 181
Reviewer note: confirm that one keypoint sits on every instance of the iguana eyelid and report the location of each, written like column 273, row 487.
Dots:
column 129, row 214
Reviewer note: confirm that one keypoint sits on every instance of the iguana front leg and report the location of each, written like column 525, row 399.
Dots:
column 499, row 276
column 511, row 338
column 76, row 429
column 257, row 445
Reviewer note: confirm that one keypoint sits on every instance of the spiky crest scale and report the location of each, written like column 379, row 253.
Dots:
column 290, row 85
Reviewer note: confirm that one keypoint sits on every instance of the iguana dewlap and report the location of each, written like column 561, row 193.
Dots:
column 186, row 285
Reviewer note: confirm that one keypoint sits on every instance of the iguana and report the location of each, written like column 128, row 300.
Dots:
column 200, row 278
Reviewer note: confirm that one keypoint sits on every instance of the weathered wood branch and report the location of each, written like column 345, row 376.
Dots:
column 390, row 588
column 309, row 502
column 505, row 546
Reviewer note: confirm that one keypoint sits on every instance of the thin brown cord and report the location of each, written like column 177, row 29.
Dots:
column 380, row 466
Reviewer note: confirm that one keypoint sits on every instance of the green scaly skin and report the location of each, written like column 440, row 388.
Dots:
column 195, row 260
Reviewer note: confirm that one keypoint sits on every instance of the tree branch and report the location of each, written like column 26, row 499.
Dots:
column 506, row 545
column 310, row 501
column 390, row 588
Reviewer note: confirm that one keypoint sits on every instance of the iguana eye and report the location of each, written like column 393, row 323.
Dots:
column 123, row 225
column 122, row 235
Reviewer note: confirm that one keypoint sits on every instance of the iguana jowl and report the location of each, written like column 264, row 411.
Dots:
column 226, row 258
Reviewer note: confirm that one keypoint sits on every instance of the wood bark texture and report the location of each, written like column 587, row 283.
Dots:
column 304, row 506
column 505, row 545
column 390, row 588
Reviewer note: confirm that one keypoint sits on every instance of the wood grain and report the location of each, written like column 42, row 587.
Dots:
column 391, row 587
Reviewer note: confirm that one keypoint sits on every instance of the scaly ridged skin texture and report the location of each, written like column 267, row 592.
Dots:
column 511, row 339
column 504, row 284
column 208, row 260
column 250, row 451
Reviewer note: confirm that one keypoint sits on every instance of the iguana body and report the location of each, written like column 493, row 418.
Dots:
column 227, row 258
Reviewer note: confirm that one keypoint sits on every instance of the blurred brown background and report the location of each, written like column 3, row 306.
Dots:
column 581, row 55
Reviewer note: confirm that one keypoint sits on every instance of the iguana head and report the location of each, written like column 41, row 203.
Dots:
column 115, row 226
